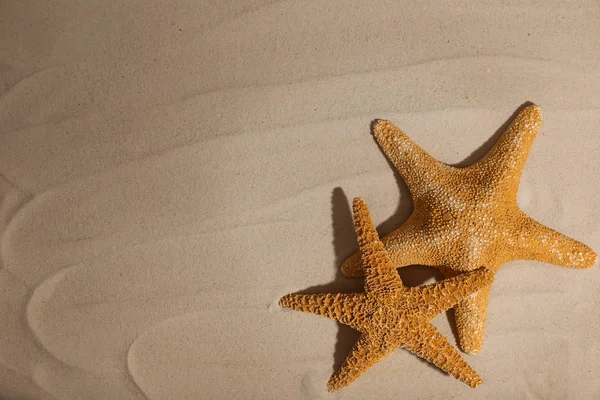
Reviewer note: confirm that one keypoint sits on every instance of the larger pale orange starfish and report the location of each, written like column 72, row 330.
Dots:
column 465, row 218
column 390, row 315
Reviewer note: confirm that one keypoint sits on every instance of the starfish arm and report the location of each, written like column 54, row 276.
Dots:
column 347, row 308
column 438, row 297
column 381, row 278
column 429, row 344
column 471, row 314
column 401, row 246
column 505, row 161
column 416, row 167
column 540, row 243
column 365, row 353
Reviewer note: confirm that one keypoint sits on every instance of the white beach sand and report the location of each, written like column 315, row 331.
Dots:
column 170, row 169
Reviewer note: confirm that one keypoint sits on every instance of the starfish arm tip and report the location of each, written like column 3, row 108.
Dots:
column 506, row 160
column 472, row 351
column 358, row 204
column 378, row 123
column 409, row 159
column 544, row 244
column 532, row 112
column 332, row 386
column 429, row 344
column 384, row 129
column 285, row 301
column 471, row 315
column 476, row 381
column 590, row 258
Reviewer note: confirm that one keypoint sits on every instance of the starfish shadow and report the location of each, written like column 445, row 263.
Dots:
column 344, row 242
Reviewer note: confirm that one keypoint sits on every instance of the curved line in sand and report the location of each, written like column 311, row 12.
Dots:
column 31, row 324
column 140, row 336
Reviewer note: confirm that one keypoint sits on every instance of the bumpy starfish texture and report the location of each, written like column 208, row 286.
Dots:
column 390, row 315
column 464, row 218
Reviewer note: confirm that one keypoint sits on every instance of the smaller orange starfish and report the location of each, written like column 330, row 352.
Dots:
column 390, row 315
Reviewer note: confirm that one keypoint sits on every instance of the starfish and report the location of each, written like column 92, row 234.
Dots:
column 390, row 315
column 467, row 217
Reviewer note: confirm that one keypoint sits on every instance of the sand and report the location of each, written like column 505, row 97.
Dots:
column 170, row 169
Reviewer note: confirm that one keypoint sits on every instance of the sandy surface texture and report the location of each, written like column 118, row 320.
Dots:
column 169, row 170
